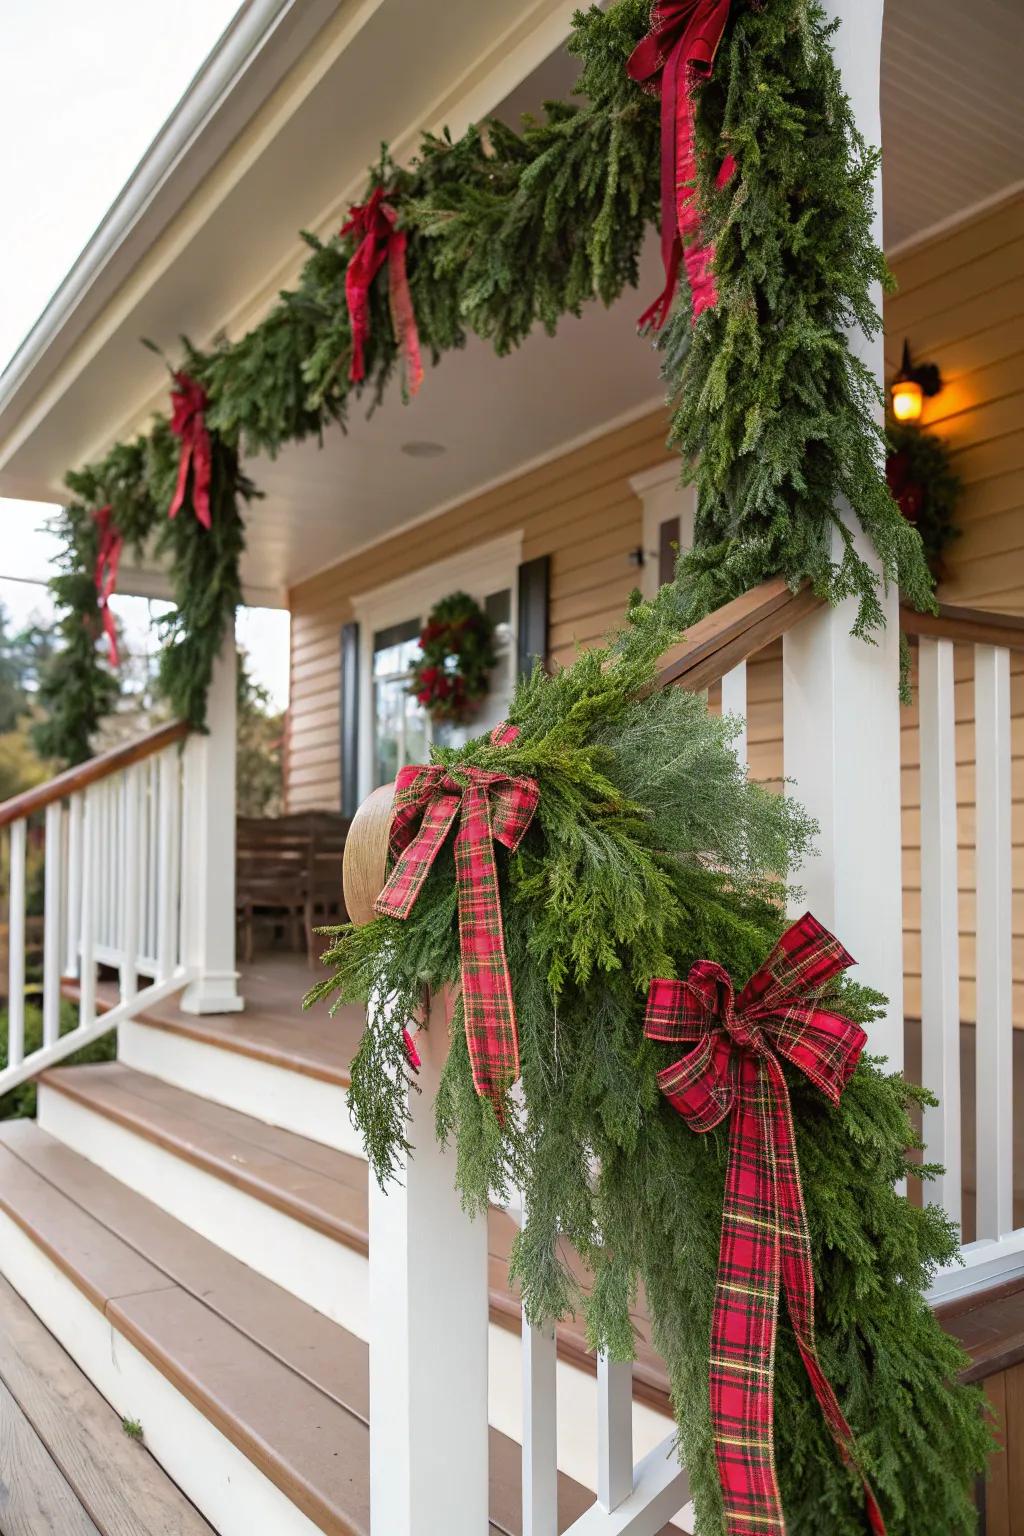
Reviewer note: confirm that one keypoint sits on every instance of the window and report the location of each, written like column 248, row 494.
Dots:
column 393, row 728
column 401, row 725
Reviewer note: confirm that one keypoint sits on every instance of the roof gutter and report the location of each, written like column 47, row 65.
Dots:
column 259, row 47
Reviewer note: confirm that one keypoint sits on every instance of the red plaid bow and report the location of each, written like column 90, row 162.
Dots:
column 680, row 47
column 374, row 222
column 108, row 557
column 734, row 1071
column 490, row 807
column 189, row 402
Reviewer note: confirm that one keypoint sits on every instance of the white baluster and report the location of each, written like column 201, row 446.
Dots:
column 76, row 807
column 734, row 702
column 940, row 917
column 168, row 863
column 130, row 858
column 614, row 1431
column 428, row 1331
column 540, row 1436
column 152, row 887
column 91, row 831
column 16, row 947
column 52, row 915
column 993, row 942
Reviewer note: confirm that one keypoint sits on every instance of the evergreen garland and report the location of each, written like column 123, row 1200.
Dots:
column 650, row 850
column 507, row 231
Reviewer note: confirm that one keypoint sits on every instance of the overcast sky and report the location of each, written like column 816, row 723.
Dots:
column 83, row 90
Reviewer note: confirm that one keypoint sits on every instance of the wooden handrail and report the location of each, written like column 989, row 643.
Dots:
column 72, row 780
column 731, row 634
column 974, row 626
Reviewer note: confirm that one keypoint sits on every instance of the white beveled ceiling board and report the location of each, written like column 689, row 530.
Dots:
column 952, row 118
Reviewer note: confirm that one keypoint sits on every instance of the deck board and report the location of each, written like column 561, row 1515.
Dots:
column 273, row 1026
column 119, row 1488
column 34, row 1497
column 280, row 1380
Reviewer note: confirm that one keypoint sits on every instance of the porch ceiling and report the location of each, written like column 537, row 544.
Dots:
column 953, row 135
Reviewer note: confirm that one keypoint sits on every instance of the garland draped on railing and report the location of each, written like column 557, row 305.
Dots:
column 504, row 232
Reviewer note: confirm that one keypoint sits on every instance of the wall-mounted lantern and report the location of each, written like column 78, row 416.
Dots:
column 910, row 386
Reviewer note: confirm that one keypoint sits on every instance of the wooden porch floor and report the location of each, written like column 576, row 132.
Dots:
column 273, row 1026
column 67, row 1465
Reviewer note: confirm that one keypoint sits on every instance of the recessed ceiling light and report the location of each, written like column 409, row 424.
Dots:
column 424, row 450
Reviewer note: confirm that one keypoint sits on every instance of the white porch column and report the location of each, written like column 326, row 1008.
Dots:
column 841, row 707
column 208, row 869
column 428, row 1334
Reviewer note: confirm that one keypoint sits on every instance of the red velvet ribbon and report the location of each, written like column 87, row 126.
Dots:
column 374, row 224
column 680, row 47
column 485, row 808
column 734, row 1075
column 188, row 421
column 108, row 558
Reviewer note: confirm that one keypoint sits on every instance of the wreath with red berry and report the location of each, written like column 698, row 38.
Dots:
column 925, row 487
column 452, row 676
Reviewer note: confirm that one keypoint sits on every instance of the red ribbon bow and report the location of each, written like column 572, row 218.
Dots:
column 489, row 807
column 374, row 222
column 189, row 401
column 108, row 557
column 734, row 1071
column 680, row 46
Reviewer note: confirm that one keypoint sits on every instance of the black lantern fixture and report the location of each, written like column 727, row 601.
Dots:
column 910, row 386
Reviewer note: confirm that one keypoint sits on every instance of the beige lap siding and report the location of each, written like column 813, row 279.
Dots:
column 961, row 305
column 578, row 509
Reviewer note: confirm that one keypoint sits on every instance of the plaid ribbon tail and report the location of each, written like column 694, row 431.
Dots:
column 491, row 1034
column 797, row 1274
column 414, row 863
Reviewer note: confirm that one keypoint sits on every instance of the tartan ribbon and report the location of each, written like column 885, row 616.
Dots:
column 374, row 224
column 679, row 49
column 188, row 421
column 734, row 1071
column 108, row 558
column 489, row 808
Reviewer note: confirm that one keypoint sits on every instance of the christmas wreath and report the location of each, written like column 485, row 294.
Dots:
column 925, row 487
column 452, row 675
column 609, row 870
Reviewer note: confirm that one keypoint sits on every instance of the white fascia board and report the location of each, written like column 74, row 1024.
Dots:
column 261, row 44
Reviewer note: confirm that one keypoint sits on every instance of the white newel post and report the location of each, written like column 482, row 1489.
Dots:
column 208, row 868
column 841, row 718
column 428, row 1334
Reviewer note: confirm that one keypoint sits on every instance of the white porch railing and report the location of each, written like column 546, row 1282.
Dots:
column 967, row 721
column 102, row 844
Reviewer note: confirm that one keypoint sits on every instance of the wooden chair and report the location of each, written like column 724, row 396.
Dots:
column 288, row 872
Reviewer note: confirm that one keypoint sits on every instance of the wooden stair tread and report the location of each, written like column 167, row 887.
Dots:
column 317, row 1185
column 284, row 1384
column 118, row 1488
column 271, row 1028
column 313, row 1184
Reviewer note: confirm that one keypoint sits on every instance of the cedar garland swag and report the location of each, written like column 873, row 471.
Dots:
column 649, row 856
column 506, row 232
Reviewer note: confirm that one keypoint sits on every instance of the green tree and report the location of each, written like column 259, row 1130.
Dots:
column 259, row 774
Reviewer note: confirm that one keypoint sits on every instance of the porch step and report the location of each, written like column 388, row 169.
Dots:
column 255, row 1404
column 67, row 1466
column 297, row 1213
column 270, row 1061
